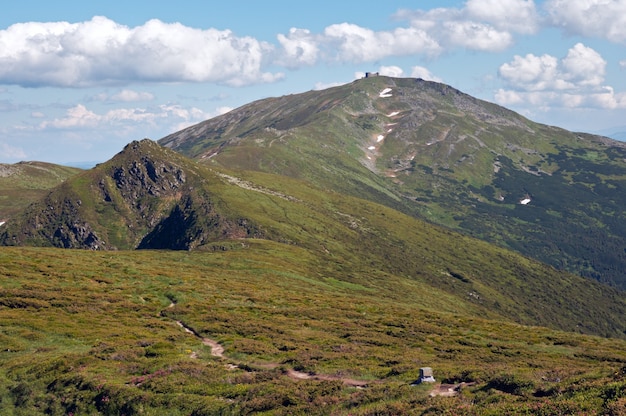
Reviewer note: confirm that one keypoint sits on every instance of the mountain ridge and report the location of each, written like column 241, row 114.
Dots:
column 149, row 197
column 292, row 280
column 24, row 182
column 430, row 150
column 133, row 200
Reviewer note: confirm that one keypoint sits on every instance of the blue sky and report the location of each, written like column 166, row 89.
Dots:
column 79, row 80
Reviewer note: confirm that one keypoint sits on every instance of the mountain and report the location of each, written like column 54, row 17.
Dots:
column 286, row 268
column 149, row 197
column 271, row 294
column 25, row 182
column 433, row 152
column 144, row 197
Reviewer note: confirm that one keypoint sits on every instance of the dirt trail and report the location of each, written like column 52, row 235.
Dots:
column 299, row 375
column 217, row 350
column 448, row 390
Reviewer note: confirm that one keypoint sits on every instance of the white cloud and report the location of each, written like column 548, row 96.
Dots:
column 584, row 66
column 482, row 25
column 391, row 71
column 477, row 36
column 622, row 64
column 100, row 51
column 545, row 81
column 103, row 52
column 532, row 72
column 131, row 96
column 124, row 96
column 424, row 73
column 300, row 47
column 600, row 18
column 353, row 43
column 80, row 117
column 11, row 152
column 518, row 16
column 508, row 97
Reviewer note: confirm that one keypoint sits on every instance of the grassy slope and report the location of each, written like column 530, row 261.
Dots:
column 88, row 332
column 25, row 182
column 365, row 239
column 450, row 158
column 360, row 240
column 344, row 287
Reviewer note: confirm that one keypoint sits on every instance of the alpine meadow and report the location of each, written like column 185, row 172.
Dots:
column 316, row 253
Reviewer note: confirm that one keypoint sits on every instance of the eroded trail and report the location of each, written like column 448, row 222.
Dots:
column 217, row 350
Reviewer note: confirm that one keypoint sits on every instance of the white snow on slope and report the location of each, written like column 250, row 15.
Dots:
column 371, row 148
column 2, row 223
column 395, row 113
column 380, row 138
column 386, row 93
column 525, row 201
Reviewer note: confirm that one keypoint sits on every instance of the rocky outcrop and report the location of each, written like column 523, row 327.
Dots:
column 56, row 221
column 146, row 197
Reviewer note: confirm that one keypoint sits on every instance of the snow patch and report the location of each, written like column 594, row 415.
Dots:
column 525, row 201
column 371, row 148
column 389, row 131
column 380, row 138
column 386, row 93
column 2, row 223
column 395, row 113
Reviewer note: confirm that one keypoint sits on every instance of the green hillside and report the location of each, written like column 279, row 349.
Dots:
column 150, row 197
column 431, row 151
column 88, row 332
column 205, row 290
column 25, row 182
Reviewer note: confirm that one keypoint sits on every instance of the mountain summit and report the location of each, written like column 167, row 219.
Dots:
column 295, row 292
column 430, row 150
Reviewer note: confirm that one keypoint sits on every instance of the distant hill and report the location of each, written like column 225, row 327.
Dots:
column 429, row 150
column 145, row 197
column 24, row 182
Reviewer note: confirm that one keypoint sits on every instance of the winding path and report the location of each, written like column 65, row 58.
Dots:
column 217, row 350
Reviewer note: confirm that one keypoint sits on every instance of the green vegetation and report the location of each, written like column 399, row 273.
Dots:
column 446, row 157
column 26, row 182
column 317, row 290
column 95, row 333
column 180, row 205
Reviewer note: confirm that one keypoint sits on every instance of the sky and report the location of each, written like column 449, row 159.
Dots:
column 81, row 79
